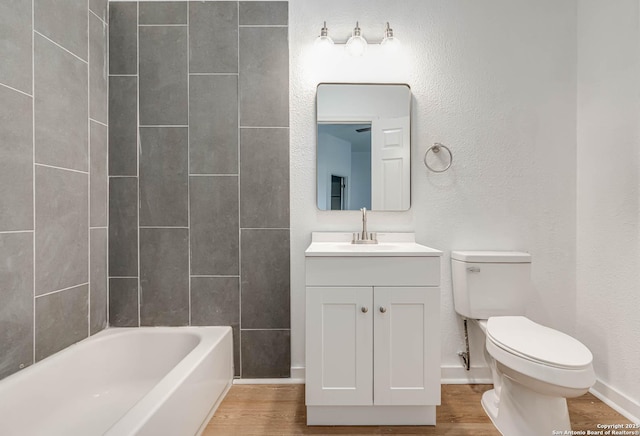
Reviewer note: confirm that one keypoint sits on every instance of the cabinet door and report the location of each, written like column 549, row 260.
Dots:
column 407, row 346
column 339, row 349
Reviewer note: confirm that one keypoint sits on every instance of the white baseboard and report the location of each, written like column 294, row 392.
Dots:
column 618, row 401
column 298, row 373
column 267, row 381
column 457, row 375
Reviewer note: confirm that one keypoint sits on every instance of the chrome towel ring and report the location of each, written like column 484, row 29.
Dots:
column 436, row 147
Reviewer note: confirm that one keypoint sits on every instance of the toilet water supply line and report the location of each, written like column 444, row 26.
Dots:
column 465, row 355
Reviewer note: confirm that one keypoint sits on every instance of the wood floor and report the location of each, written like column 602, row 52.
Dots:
column 279, row 410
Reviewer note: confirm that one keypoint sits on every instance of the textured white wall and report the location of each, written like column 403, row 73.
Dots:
column 608, row 192
column 494, row 80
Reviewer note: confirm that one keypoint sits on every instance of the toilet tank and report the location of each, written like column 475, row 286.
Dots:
column 490, row 283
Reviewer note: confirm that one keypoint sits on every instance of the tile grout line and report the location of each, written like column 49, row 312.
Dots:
column 16, row 89
column 106, row 75
column 151, row 126
column 263, row 26
column 239, row 203
column 33, row 167
column 138, row 150
column 59, row 168
column 264, row 127
column 61, row 290
column 188, row 159
column 213, row 74
column 89, row 168
column 214, row 276
column 265, row 228
column 9, row 232
column 213, row 175
column 97, row 122
column 164, row 25
column 268, row 330
column 60, row 46
column 98, row 17
column 163, row 227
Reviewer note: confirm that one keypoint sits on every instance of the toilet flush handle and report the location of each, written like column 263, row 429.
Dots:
column 473, row 269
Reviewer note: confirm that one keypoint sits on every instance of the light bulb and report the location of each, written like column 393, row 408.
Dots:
column 324, row 41
column 390, row 42
column 356, row 45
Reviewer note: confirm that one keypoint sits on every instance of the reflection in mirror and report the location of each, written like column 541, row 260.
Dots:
column 363, row 153
column 345, row 158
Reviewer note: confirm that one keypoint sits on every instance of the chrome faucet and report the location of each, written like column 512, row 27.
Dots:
column 364, row 237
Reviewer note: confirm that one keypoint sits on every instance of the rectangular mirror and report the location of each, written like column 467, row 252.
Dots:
column 364, row 146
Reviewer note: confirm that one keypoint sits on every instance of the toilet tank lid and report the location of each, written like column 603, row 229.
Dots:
column 491, row 256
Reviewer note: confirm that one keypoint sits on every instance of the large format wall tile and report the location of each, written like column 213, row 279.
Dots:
column 216, row 301
column 123, row 123
column 97, row 69
column 213, row 124
column 265, row 279
column 16, row 161
column 162, row 12
column 164, row 93
column 213, row 37
column 98, row 175
column 214, row 225
column 16, row 295
column 98, row 283
column 65, row 22
column 61, row 99
column 264, row 13
column 264, row 77
column 264, row 178
column 62, row 232
column 61, row 320
column 164, row 277
column 123, row 227
column 123, row 302
column 123, row 38
column 266, row 353
column 15, row 44
column 164, row 180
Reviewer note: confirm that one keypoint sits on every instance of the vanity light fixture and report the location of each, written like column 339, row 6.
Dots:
column 324, row 40
column 356, row 45
column 390, row 41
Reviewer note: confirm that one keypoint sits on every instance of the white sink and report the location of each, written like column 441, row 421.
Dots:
column 389, row 244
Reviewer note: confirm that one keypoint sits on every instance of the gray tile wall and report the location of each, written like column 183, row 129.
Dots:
column 53, row 177
column 199, row 178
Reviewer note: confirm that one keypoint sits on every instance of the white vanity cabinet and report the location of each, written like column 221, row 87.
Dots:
column 372, row 332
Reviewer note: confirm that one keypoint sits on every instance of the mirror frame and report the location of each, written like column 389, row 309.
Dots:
column 410, row 141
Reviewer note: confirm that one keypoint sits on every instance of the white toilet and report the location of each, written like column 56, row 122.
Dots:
column 535, row 368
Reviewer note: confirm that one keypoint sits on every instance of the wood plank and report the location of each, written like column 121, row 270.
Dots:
column 279, row 410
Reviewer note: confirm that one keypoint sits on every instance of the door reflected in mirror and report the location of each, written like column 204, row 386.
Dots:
column 364, row 147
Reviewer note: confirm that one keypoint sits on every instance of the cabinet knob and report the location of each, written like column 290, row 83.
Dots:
column 364, row 309
column 383, row 309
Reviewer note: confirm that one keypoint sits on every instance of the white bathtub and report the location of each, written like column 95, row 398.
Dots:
column 123, row 381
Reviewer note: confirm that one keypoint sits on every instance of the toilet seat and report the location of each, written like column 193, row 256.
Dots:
column 537, row 343
column 538, row 352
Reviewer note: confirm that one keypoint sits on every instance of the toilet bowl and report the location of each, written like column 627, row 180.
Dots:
column 534, row 368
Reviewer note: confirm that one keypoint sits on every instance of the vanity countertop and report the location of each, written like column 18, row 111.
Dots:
column 338, row 244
